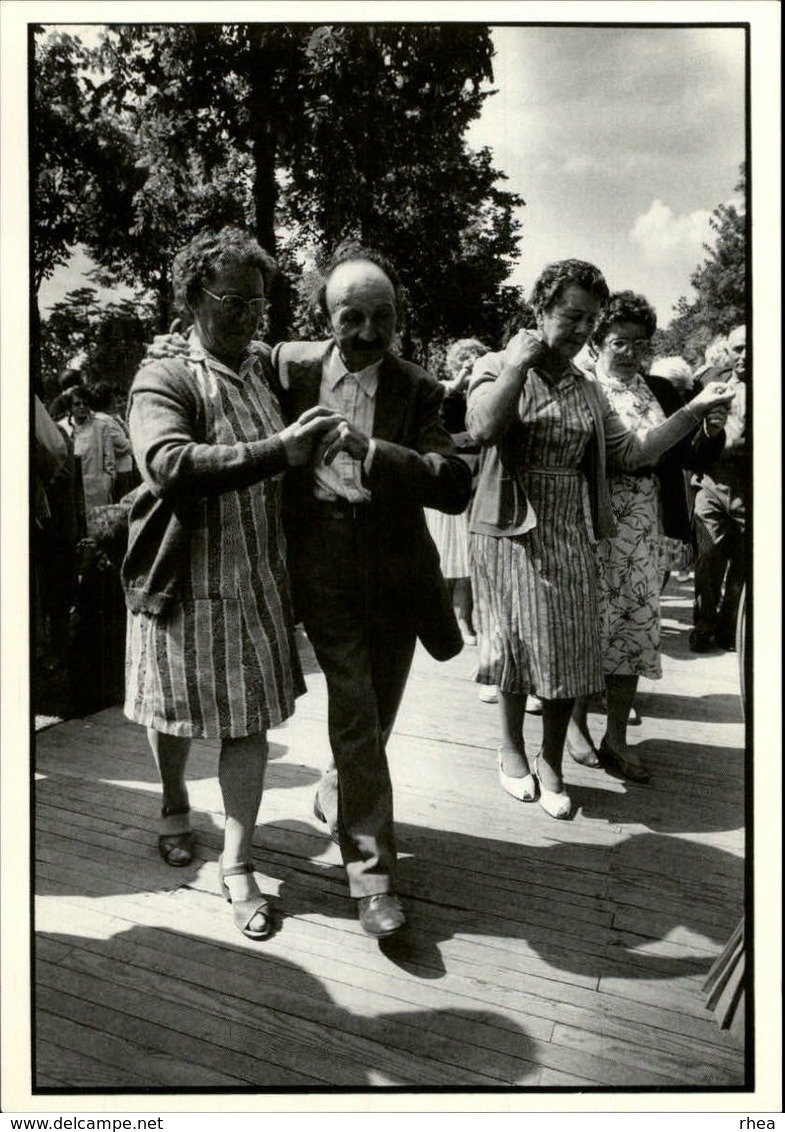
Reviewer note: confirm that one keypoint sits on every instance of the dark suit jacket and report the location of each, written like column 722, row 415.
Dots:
column 729, row 466
column 695, row 452
column 415, row 465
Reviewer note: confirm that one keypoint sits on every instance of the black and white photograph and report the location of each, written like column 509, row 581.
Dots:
column 389, row 714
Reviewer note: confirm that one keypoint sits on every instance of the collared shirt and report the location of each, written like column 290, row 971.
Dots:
column 735, row 431
column 354, row 396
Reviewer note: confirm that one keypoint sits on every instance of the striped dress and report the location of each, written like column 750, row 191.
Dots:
column 223, row 662
column 536, row 595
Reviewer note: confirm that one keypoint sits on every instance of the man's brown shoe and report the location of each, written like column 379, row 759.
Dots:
column 381, row 915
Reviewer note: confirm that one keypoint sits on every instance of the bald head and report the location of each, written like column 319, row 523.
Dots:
column 361, row 310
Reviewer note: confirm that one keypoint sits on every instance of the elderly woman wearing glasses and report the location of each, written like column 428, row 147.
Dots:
column 542, row 499
column 210, row 644
column 648, row 504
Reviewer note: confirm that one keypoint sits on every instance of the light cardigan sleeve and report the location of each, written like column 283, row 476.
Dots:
column 175, row 459
column 624, row 451
column 487, row 421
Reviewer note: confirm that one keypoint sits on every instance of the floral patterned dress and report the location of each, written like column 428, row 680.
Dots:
column 631, row 564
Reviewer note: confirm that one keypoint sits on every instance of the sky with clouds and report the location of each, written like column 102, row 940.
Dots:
column 622, row 141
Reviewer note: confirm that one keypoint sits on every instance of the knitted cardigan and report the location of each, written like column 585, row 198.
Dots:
column 500, row 505
column 179, row 466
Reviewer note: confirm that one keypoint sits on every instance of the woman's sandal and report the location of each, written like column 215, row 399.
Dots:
column 244, row 912
column 583, row 758
column 557, row 804
column 523, row 788
column 177, row 849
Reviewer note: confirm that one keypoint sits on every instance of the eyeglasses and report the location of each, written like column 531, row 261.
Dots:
column 638, row 346
column 235, row 305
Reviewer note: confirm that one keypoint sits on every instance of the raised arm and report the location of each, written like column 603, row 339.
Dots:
column 625, row 451
column 497, row 382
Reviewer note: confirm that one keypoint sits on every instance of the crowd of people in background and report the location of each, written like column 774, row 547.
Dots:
column 83, row 467
column 531, row 506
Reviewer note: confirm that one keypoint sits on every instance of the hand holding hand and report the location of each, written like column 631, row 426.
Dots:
column 300, row 437
column 344, row 437
column 714, row 395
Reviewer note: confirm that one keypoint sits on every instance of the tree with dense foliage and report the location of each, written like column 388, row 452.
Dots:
column 109, row 339
column 721, row 286
column 305, row 134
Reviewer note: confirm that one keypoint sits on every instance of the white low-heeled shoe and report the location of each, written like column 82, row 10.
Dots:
column 556, row 803
column 524, row 789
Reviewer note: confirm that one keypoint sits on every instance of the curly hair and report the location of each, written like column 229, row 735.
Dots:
column 198, row 263
column 81, row 393
column 717, row 352
column 352, row 251
column 624, row 306
column 460, row 350
column 554, row 280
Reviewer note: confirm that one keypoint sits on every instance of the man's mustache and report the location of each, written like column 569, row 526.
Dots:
column 363, row 346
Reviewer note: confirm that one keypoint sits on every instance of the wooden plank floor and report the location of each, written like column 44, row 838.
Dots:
column 541, row 954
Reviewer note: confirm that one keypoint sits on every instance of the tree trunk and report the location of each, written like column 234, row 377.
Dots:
column 265, row 189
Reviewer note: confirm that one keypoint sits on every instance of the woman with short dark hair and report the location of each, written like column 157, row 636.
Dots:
column 649, row 503
column 541, row 502
column 210, row 649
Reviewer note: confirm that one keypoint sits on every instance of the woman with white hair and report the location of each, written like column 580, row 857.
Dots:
column 677, row 371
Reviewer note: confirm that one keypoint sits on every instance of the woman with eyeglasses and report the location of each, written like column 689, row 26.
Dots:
column 210, row 644
column 649, row 505
column 541, row 503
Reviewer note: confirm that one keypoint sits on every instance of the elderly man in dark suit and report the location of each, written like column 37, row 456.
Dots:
column 365, row 572
column 721, row 514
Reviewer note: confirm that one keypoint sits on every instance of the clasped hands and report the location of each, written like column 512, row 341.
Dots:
column 322, row 433
column 319, row 433
column 713, row 404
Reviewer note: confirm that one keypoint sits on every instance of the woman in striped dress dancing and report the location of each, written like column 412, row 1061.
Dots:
column 541, row 504
column 210, row 643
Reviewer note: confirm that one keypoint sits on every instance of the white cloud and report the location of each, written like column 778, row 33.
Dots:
column 661, row 234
